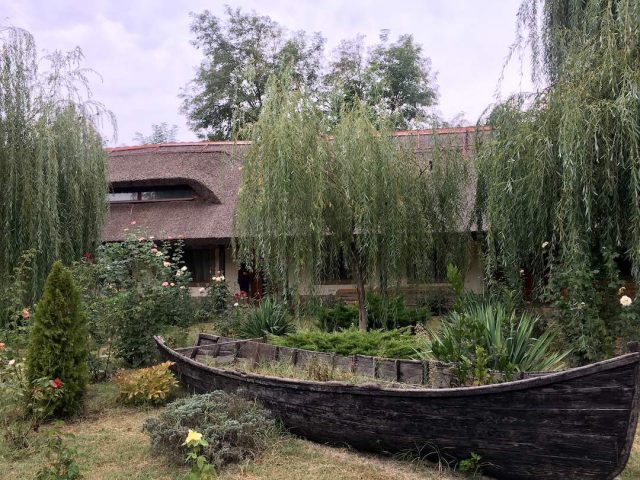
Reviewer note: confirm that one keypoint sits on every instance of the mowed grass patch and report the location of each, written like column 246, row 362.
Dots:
column 296, row 459
column 109, row 441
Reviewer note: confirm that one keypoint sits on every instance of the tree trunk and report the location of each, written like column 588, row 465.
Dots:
column 362, row 309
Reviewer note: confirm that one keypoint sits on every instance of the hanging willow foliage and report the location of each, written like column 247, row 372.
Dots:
column 559, row 182
column 314, row 200
column 53, row 171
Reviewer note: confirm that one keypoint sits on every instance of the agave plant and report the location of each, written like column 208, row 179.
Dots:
column 270, row 317
column 508, row 340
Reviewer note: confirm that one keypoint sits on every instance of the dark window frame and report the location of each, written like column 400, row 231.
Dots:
column 139, row 191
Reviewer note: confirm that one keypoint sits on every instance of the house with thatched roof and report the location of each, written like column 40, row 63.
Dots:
column 188, row 191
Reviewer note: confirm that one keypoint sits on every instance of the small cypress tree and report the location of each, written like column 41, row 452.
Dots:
column 58, row 346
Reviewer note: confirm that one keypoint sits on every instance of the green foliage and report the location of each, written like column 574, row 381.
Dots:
column 391, row 344
column 62, row 464
column 132, row 290
column 15, row 299
column 340, row 317
column 268, row 318
column 58, row 347
column 472, row 465
column 200, row 468
column 488, row 336
column 160, row 133
column 395, row 78
column 217, row 296
column 53, row 168
column 241, row 51
column 455, row 278
column 235, row 429
column 146, row 386
column 389, row 311
column 558, row 182
column 382, row 212
column 436, row 302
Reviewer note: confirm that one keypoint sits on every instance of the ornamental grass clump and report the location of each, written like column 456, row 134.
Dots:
column 58, row 348
column 268, row 318
column 490, row 337
column 234, row 429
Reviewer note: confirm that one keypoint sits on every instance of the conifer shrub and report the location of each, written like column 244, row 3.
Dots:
column 397, row 343
column 58, row 345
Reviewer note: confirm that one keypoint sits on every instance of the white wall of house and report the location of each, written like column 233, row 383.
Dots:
column 474, row 276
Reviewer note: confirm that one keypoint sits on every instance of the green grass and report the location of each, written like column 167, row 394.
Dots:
column 112, row 447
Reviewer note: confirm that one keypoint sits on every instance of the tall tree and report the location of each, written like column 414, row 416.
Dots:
column 309, row 202
column 240, row 52
column 53, row 173
column 394, row 78
column 560, row 183
column 160, row 133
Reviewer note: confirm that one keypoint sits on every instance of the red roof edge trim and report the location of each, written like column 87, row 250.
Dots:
column 204, row 143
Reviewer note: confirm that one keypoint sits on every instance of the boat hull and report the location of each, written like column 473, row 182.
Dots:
column 576, row 424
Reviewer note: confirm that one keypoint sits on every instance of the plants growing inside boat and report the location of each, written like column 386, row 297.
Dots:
column 490, row 336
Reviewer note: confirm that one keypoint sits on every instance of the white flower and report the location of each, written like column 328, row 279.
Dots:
column 12, row 362
column 625, row 301
column 522, row 271
column 172, row 284
column 221, row 277
column 181, row 287
column 545, row 244
column 159, row 254
column 202, row 290
column 166, row 264
column 184, row 269
column 236, row 304
column 178, row 273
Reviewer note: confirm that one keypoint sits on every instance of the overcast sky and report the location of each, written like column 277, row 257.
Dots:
column 142, row 48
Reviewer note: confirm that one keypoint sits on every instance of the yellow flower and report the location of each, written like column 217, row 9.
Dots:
column 193, row 438
column 625, row 301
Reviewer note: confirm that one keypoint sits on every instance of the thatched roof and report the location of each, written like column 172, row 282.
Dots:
column 213, row 170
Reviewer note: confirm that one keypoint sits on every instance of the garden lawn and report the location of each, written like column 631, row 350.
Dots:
column 111, row 446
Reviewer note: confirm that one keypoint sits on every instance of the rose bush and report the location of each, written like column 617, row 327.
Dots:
column 132, row 289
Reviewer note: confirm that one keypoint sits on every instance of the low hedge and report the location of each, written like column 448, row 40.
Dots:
column 390, row 344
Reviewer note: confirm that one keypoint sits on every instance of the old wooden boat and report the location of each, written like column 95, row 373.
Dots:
column 574, row 424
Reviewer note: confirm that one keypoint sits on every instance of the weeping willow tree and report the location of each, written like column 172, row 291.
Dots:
column 560, row 180
column 53, row 172
column 314, row 199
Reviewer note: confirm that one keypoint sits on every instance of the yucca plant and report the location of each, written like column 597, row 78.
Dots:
column 270, row 317
column 507, row 340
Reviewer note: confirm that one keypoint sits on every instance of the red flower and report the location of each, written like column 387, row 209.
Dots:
column 56, row 383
